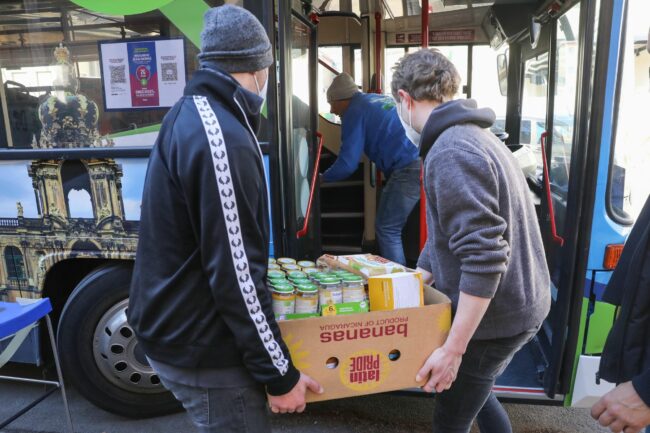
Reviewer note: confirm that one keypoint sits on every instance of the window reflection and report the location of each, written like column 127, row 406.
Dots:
column 32, row 41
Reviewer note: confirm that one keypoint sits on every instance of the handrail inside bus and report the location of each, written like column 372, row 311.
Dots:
column 547, row 184
column 302, row 232
column 328, row 66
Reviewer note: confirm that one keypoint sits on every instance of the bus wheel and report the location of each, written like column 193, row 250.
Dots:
column 99, row 353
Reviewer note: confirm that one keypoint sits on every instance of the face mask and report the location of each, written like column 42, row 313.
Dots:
column 411, row 133
column 262, row 92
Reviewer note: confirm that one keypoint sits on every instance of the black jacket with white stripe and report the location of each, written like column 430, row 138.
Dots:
column 198, row 296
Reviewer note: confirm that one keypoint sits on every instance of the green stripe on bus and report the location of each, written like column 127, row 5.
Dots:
column 581, row 336
column 187, row 15
column 600, row 323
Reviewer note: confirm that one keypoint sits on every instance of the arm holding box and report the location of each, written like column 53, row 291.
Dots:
column 444, row 362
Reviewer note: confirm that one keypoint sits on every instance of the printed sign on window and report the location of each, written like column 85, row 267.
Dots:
column 142, row 73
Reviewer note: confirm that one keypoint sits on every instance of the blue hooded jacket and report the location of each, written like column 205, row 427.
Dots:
column 371, row 125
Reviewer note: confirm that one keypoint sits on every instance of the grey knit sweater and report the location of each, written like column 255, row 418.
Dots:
column 483, row 234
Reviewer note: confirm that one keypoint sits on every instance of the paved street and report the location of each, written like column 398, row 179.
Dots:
column 380, row 413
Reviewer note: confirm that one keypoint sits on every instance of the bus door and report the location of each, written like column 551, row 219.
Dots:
column 298, row 141
column 575, row 78
column 548, row 89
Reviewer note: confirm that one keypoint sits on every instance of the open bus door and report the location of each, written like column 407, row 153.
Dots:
column 566, row 91
column 298, row 144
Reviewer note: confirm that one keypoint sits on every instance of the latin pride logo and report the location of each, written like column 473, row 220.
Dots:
column 365, row 370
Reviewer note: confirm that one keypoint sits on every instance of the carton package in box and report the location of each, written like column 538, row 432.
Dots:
column 366, row 265
column 394, row 291
column 367, row 353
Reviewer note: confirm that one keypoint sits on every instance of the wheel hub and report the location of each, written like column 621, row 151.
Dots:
column 119, row 356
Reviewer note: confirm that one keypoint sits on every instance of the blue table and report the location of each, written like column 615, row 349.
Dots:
column 16, row 320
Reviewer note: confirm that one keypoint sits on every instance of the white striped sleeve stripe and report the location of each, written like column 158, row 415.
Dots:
column 231, row 217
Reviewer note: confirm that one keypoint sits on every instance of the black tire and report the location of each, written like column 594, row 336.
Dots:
column 84, row 364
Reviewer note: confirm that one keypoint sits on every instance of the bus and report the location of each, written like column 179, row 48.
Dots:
column 85, row 85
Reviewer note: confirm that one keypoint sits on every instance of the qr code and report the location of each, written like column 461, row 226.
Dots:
column 118, row 74
column 169, row 71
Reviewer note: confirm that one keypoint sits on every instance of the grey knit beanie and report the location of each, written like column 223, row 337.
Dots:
column 342, row 87
column 234, row 40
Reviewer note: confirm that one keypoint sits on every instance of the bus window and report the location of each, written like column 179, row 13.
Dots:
column 301, row 117
column 629, row 186
column 566, row 80
column 330, row 59
column 325, row 78
column 358, row 66
column 333, row 56
column 391, row 56
column 485, row 82
column 47, row 70
column 533, row 106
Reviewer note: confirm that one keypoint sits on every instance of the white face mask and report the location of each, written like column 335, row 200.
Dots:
column 262, row 92
column 411, row 133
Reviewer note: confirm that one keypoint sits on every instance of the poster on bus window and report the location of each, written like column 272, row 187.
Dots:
column 142, row 74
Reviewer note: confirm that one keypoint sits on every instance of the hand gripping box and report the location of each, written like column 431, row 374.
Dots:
column 367, row 353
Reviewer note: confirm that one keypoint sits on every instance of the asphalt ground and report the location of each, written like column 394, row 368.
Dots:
column 386, row 413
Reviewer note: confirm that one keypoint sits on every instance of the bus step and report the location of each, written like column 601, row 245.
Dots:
column 341, row 249
column 342, row 215
column 346, row 183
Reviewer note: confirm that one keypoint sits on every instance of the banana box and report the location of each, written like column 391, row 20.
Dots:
column 367, row 353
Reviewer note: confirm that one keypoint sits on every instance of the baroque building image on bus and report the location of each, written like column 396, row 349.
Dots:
column 79, row 203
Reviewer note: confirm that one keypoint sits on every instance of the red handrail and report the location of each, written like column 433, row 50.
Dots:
column 378, row 18
column 327, row 66
column 547, row 184
column 302, row 232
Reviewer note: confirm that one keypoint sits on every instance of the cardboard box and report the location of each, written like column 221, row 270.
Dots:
column 395, row 291
column 370, row 352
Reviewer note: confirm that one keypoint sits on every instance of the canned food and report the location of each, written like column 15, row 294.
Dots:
column 296, row 274
column 339, row 273
column 298, row 281
column 317, row 275
column 274, row 267
column 307, row 299
column 310, row 271
column 272, row 261
column 275, row 273
column 330, row 291
column 275, row 281
column 289, row 267
column 353, row 289
column 286, row 261
column 306, row 264
column 283, row 299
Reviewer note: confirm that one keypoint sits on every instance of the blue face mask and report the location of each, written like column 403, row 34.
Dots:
column 411, row 133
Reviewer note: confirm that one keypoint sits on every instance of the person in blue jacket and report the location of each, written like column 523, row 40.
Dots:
column 370, row 125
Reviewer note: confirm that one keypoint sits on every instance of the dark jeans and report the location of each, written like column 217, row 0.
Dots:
column 398, row 198
column 471, row 393
column 216, row 410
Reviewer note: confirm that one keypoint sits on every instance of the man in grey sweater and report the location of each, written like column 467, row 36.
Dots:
column 484, row 248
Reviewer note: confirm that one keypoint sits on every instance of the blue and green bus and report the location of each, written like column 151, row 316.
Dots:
column 85, row 85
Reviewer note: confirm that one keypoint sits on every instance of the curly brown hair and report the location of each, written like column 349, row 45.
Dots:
column 426, row 75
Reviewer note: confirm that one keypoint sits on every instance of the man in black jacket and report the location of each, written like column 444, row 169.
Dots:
column 626, row 356
column 199, row 303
